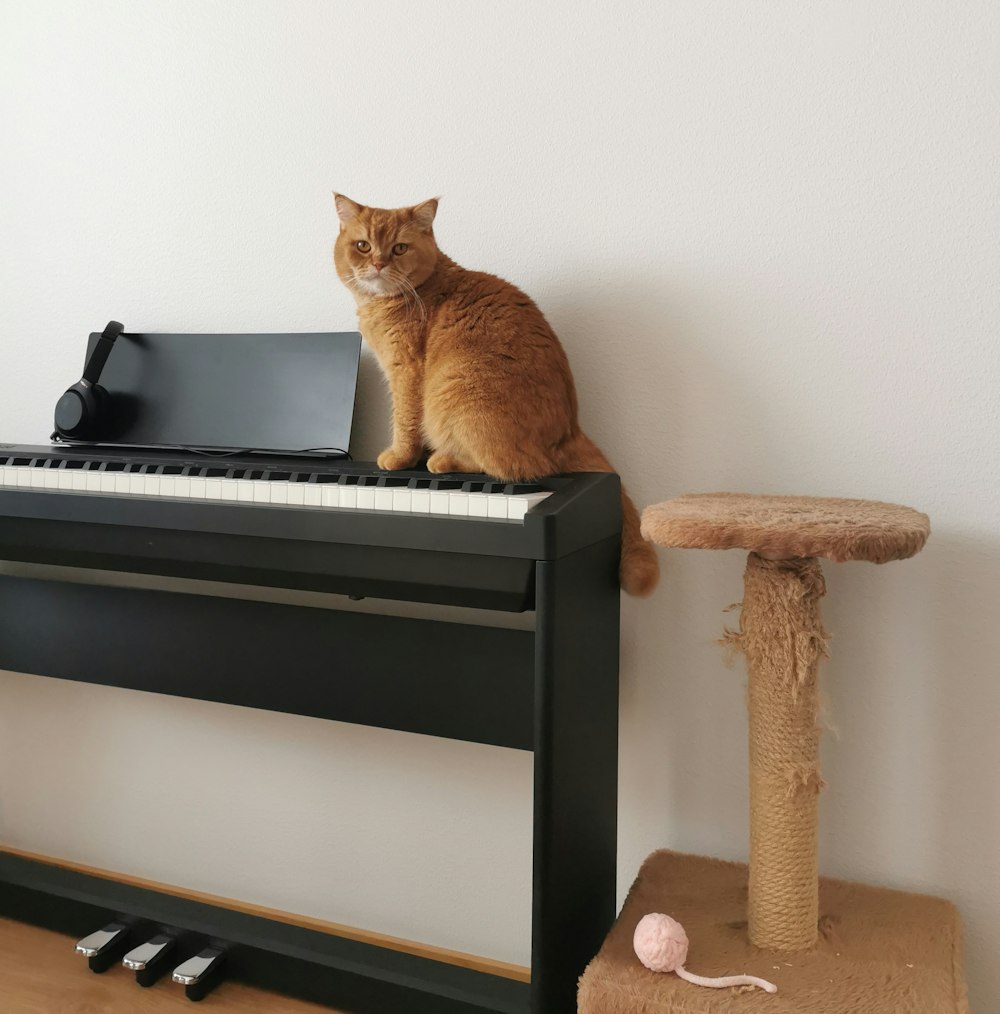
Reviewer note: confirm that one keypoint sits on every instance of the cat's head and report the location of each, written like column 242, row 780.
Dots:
column 384, row 252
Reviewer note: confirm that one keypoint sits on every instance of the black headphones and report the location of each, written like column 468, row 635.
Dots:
column 80, row 410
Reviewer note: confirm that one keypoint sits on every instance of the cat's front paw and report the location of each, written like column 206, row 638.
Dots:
column 443, row 463
column 391, row 460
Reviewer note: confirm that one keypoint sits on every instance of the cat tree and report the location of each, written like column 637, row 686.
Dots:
column 831, row 947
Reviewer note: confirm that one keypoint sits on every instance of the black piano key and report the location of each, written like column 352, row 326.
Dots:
column 115, row 466
column 420, row 483
column 448, row 484
column 278, row 476
column 326, row 477
column 391, row 481
column 76, row 463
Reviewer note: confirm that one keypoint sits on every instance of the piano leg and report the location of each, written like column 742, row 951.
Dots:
column 576, row 769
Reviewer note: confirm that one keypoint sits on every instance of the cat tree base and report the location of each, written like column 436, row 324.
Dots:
column 878, row 951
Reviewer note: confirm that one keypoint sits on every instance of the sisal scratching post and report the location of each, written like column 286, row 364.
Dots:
column 782, row 638
column 831, row 947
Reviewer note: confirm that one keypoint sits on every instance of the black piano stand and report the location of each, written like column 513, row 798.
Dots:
column 553, row 691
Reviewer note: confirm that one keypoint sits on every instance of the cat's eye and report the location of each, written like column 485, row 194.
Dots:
column 399, row 248
column 363, row 245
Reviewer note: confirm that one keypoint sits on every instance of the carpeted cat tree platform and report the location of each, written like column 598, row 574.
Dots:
column 831, row 947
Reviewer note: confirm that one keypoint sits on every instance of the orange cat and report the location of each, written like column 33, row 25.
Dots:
column 476, row 374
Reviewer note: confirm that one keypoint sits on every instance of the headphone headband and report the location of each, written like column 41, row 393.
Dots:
column 95, row 364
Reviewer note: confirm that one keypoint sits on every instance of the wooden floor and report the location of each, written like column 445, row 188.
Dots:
column 40, row 974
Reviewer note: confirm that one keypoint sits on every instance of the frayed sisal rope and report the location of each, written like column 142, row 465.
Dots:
column 661, row 944
column 783, row 639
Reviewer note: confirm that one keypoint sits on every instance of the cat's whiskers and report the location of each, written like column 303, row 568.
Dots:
column 407, row 289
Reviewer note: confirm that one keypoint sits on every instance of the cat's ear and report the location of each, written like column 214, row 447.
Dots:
column 347, row 210
column 423, row 214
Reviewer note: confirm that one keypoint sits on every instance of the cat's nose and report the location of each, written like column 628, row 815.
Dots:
column 378, row 265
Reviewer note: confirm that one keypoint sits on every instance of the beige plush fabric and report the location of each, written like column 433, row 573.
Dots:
column 781, row 527
column 879, row 951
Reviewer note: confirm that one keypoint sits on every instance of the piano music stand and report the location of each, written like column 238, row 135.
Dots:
column 828, row 945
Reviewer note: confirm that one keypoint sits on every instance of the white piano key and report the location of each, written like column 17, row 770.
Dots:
column 152, row 485
column 521, row 503
column 244, row 490
column 50, row 478
column 279, row 492
column 366, row 498
column 349, row 497
column 168, row 485
column 93, row 481
column 213, row 489
column 64, row 478
column 182, row 486
column 198, row 487
column 121, row 482
column 79, row 480
column 420, row 501
column 440, row 501
column 37, row 477
column 477, row 505
column 313, row 495
column 458, row 504
column 401, row 500
column 296, row 494
column 331, row 495
column 496, row 505
column 383, row 499
column 136, row 483
column 261, row 491
column 230, row 489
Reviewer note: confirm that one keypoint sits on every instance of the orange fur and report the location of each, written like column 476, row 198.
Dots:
column 477, row 375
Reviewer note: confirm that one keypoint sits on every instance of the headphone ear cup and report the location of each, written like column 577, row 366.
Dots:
column 77, row 411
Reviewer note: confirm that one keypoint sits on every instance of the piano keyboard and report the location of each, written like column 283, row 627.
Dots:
column 316, row 490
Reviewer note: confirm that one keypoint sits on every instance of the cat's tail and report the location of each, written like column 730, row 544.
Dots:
column 639, row 571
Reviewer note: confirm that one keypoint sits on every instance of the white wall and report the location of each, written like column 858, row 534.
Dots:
column 766, row 233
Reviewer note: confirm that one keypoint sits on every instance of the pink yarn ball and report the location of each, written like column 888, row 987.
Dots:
column 660, row 942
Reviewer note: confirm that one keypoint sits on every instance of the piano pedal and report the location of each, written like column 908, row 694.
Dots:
column 105, row 947
column 202, row 973
column 151, row 960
